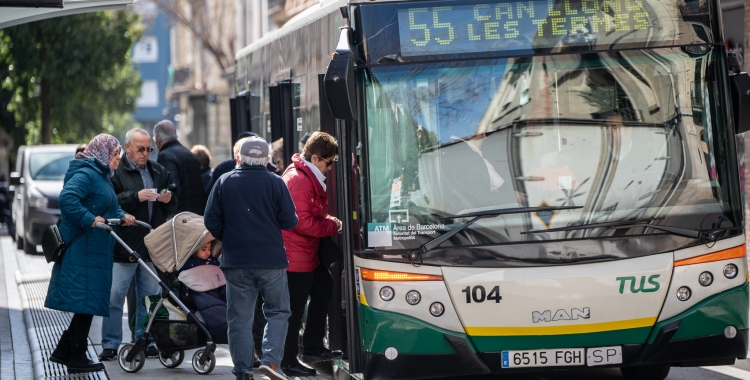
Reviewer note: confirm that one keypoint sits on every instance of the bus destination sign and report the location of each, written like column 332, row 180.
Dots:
column 514, row 25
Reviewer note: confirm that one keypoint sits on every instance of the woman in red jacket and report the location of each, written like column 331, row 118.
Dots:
column 305, row 178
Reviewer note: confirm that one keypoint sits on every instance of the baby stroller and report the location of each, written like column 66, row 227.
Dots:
column 177, row 329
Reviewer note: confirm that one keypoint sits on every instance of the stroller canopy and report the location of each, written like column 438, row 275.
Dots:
column 172, row 243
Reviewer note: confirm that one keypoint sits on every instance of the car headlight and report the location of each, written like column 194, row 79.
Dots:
column 37, row 199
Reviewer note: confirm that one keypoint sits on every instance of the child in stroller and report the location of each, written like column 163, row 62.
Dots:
column 172, row 319
column 207, row 288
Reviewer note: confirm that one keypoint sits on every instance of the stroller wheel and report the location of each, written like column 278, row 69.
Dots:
column 207, row 367
column 171, row 359
column 134, row 365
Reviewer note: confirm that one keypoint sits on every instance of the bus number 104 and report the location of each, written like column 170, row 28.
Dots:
column 479, row 294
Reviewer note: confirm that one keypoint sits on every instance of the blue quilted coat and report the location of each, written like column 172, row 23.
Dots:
column 81, row 283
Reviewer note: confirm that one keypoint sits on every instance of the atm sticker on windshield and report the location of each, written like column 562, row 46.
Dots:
column 379, row 234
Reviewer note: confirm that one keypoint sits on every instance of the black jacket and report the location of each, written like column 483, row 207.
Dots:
column 247, row 209
column 185, row 171
column 128, row 182
column 206, row 178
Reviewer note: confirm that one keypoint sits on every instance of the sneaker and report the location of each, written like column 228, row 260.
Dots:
column 108, row 354
column 273, row 371
column 244, row 376
column 152, row 352
column 319, row 354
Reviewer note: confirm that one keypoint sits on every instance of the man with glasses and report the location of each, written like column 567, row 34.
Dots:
column 307, row 277
column 141, row 187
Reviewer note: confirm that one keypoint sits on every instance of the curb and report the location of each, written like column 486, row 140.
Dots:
column 36, row 353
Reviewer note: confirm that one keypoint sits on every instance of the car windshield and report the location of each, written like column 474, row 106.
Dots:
column 633, row 134
column 49, row 166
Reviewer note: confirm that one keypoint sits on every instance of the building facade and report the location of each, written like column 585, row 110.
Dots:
column 151, row 54
column 202, row 56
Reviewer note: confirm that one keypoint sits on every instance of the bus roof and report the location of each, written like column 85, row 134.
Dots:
column 305, row 17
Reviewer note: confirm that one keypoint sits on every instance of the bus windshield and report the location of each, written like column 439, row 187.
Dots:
column 627, row 135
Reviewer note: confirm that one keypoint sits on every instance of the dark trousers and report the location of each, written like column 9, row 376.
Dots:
column 80, row 325
column 132, row 305
column 317, row 285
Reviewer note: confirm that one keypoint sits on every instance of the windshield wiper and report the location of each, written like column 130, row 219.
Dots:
column 710, row 235
column 592, row 225
column 430, row 245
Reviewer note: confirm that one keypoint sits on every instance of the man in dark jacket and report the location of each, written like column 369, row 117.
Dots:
column 247, row 209
column 183, row 167
column 134, row 182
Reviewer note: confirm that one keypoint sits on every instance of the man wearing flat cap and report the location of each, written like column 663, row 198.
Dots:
column 247, row 209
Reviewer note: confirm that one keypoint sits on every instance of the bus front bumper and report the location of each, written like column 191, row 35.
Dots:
column 702, row 351
column 695, row 337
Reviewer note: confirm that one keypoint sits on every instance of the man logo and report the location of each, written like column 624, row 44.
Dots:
column 560, row 315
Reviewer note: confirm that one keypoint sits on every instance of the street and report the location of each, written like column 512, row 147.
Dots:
column 26, row 327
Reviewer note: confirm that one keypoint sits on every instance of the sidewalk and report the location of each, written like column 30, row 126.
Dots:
column 43, row 327
column 15, row 355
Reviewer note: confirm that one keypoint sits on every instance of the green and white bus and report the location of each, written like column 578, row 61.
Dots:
column 525, row 185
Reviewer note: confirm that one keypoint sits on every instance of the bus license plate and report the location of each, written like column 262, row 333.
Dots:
column 604, row 355
column 544, row 358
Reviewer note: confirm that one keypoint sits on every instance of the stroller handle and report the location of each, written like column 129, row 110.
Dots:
column 103, row 226
column 117, row 222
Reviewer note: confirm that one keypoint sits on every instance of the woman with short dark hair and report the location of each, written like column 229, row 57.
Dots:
column 305, row 178
column 82, row 278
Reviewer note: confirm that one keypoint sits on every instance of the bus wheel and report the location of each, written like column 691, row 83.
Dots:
column 646, row 372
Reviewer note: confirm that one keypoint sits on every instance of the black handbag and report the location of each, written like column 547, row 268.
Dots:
column 53, row 245
column 329, row 252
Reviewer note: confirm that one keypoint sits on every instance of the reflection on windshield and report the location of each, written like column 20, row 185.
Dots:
column 49, row 166
column 626, row 135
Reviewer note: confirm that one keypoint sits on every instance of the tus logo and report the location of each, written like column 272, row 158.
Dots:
column 654, row 286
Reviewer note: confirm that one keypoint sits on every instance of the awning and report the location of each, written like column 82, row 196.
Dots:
column 11, row 16
column 32, row 3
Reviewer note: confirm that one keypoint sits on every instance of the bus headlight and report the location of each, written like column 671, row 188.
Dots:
column 413, row 297
column 706, row 278
column 730, row 271
column 387, row 293
column 437, row 309
column 683, row 293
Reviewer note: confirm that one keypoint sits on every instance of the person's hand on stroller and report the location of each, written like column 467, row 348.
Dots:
column 98, row 219
column 128, row 220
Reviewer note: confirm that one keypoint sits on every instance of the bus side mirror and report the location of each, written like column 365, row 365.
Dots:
column 339, row 80
column 739, row 85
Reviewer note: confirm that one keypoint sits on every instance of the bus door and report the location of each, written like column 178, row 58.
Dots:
column 337, row 336
column 343, row 188
column 283, row 122
column 239, row 114
column 245, row 114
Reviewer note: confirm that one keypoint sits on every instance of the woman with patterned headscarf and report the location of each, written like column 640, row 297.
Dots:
column 81, row 280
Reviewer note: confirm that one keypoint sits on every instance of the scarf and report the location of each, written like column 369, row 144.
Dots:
column 101, row 149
